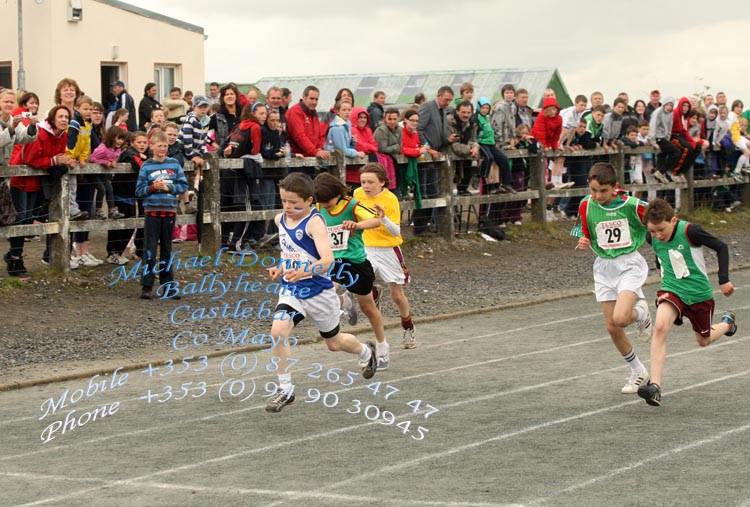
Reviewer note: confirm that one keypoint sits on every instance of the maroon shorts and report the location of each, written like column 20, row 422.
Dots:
column 701, row 315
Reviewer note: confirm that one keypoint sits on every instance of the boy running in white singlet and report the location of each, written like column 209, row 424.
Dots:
column 612, row 225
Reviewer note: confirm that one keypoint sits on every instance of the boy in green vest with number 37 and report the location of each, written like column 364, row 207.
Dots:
column 611, row 224
column 684, row 285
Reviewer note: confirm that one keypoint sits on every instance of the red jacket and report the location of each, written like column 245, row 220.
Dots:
column 410, row 146
column 547, row 130
column 679, row 121
column 365, row 140
column 303, row 129
column 38, row 154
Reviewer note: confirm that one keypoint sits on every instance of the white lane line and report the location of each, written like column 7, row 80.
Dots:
column 336, row 363
column 285, row 495
column 383, row 470
column 505, row 436
column 449, row 405
column 664, row 455
column 257, row 407
column 47, row 477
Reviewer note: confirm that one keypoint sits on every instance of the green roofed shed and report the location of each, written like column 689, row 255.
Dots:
column 400, row 88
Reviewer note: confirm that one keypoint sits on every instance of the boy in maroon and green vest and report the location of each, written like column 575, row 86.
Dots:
column 684, row 285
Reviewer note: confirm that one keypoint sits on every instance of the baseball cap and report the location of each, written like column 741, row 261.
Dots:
column 200, row 100
column 655, row 91
column 118, row 83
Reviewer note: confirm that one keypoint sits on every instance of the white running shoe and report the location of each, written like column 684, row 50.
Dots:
column 84, row 261
column 117, row 259
column 643, row 328
column 550, row 216
column 636, row 380
column 93, row 259
column 74, row 262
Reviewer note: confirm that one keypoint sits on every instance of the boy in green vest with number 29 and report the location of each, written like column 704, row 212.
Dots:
column 684, row 285
column 611, row 224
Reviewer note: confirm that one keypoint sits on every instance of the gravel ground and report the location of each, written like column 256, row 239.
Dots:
column 52, row 326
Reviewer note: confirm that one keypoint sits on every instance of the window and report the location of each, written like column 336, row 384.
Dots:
column 6, row 75
column 166, row 77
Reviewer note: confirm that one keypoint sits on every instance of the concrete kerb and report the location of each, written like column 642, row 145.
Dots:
column 12, row 386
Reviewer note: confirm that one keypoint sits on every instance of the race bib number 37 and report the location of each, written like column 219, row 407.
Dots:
column 613, row 234
column 339, row 237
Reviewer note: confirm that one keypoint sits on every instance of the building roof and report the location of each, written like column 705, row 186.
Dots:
column 400, row 88
column 152, row 15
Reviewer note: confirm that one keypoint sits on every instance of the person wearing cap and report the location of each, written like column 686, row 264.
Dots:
column 193, row 135
column 123, row 100
column 653, row 104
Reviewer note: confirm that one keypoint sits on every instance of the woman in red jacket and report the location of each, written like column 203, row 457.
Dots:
column 47, row 153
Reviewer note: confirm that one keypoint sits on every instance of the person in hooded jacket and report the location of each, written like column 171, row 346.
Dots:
column 364, row 141
column 683, row 141
column 46, row 152
column 660, row 132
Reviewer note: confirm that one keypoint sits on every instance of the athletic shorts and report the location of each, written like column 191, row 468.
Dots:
column 388, row 264
column 701, row 315
column 361, row 272
column 324, row 309
column 613, row 276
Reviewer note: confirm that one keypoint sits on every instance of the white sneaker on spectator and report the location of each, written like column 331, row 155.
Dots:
column 74, row 263
column 87, row 261
column 94, row 259
column 551, row 217
column 117, row 259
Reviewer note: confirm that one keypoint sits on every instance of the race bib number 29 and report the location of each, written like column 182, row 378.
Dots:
column 613, row 234
column 339, row 237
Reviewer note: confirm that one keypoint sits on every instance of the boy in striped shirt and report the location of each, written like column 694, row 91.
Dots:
column 684, row 285
column 612, row 225
column 160, row 180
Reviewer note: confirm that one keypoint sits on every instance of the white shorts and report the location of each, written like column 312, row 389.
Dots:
column 324, row 309
column 388, row 264
column 742, row 144
column 613, row 276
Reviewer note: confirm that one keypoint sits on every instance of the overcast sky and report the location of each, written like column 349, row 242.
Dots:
column 675, row 46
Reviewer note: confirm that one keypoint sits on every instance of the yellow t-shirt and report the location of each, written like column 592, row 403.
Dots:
column 380, row 237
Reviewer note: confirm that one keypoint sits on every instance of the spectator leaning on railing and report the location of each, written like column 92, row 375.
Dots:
column 304, row 133
column 47, row 152
column 463, row 126
column 435, row 135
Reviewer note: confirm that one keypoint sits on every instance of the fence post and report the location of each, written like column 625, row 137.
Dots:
column 59, row 211
column 338, row 158
column 687, row 195
column 211, row 231
column 538, row 181
column 446, row 215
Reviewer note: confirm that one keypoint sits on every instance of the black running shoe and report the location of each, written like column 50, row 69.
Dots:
column 279, row 401
column 369, row 369
column 729, row 317
column 651, row 393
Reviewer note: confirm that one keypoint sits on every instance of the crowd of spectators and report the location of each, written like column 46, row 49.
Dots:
column 710, row 135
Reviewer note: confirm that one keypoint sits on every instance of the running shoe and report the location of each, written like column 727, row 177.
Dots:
column 370, row 367
column 643, row 328
column 350, row 308
column 117, row 259
column 660, row 177
column 729, row 317
column 377, row 295
column 279, row 400
column 651, row 393
column 384, row 362
column 409, row 338
column 636, row 380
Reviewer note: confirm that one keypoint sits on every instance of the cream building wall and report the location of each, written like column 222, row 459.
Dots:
column 111, row 33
